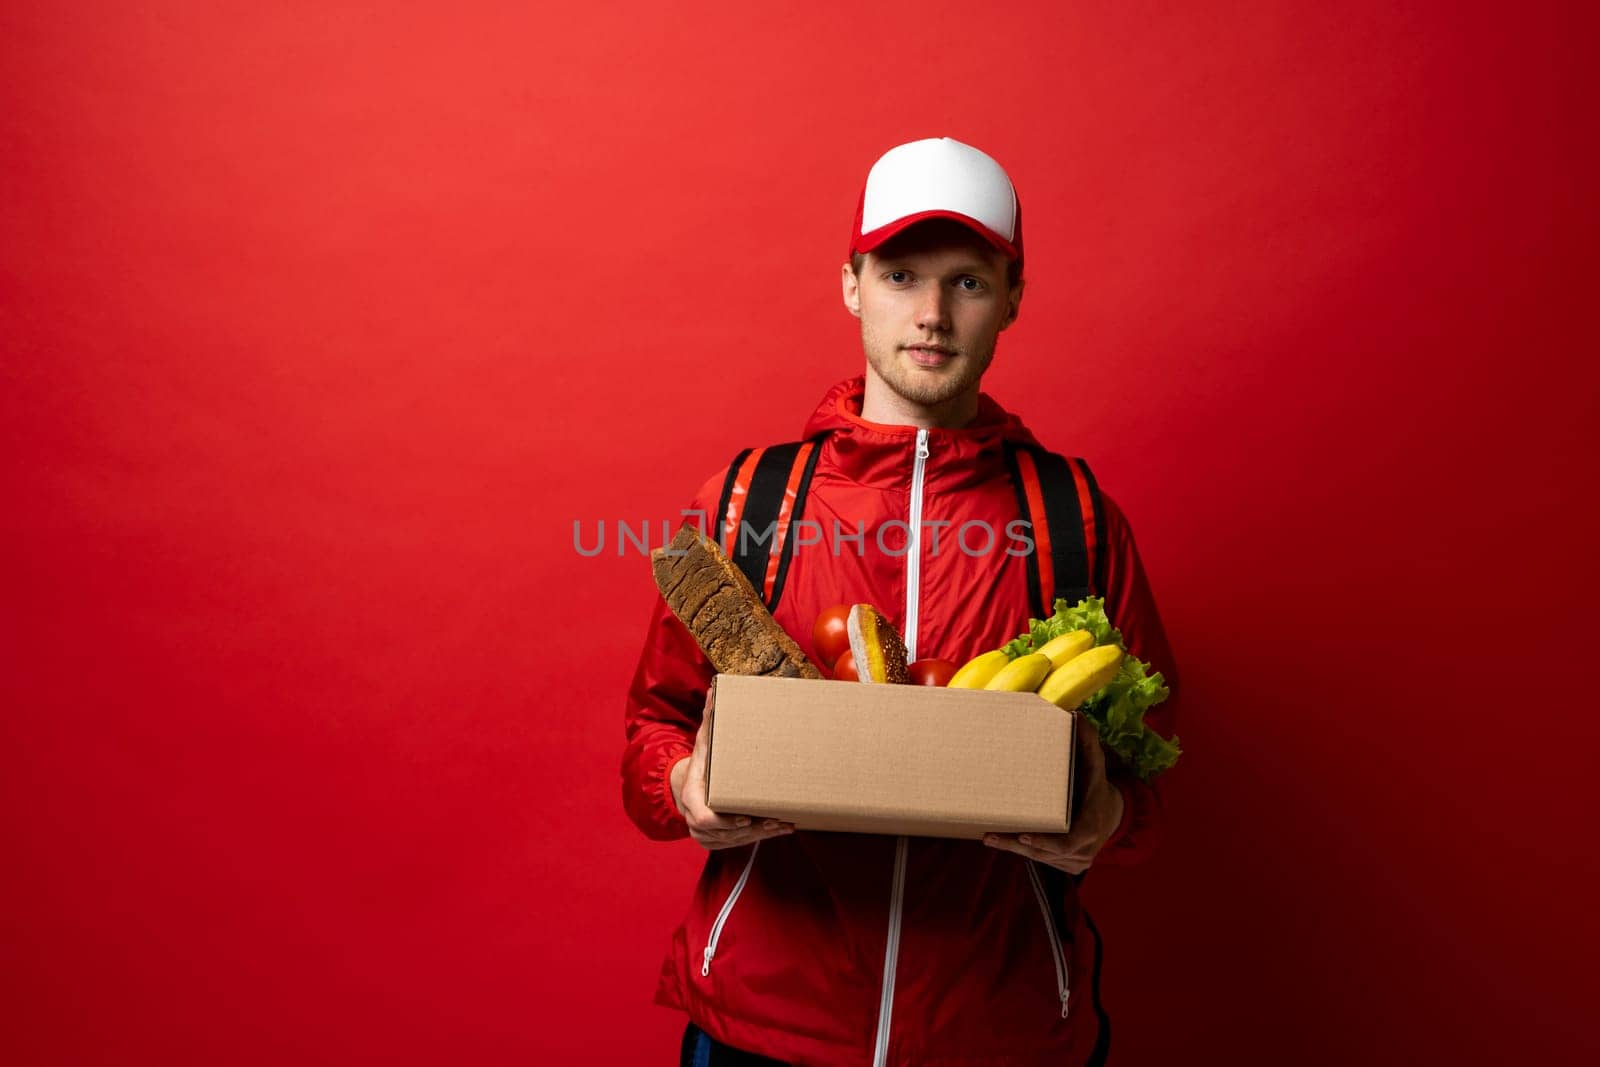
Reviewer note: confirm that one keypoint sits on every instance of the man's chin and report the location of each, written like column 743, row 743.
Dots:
column 921, row 385
column 929, row 388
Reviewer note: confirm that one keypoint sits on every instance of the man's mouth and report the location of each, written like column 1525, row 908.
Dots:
column 929, row 355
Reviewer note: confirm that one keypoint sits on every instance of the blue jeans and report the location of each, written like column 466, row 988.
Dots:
column 700, row 1049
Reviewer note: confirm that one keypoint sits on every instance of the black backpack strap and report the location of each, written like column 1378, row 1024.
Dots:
column 762, row 497
column 1060, row 498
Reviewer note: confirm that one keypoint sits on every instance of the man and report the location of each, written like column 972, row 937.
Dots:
column 820, row 948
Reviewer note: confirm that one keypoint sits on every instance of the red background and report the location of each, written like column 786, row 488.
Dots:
column 321, row 327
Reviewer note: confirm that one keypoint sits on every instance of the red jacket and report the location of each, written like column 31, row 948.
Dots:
column 821, row 948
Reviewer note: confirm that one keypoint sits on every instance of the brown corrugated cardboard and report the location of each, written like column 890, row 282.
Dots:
column 889, row 759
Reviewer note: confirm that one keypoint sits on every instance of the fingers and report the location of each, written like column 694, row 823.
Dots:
column 709, row 821
column 708, row 828
column 1055, row 850
column 739, row 830
column 714, row 830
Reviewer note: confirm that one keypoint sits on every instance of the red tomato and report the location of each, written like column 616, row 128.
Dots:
column 844, row 668
column 830, row 635
column 931, row 672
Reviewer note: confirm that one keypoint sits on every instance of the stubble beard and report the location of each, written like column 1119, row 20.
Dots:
column 923, row 386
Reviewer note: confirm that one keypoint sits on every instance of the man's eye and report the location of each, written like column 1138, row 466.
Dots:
column 898, row 276
column 970, row 284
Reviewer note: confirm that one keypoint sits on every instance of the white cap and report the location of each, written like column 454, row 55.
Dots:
column 938, row 178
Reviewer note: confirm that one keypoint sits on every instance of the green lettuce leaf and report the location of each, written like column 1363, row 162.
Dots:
column 1117, row 710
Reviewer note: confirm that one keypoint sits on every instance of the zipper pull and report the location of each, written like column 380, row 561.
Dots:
column 705, row 968
column 922, row 444
column 1064, row 997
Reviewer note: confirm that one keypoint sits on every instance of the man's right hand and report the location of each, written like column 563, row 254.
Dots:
column 688, row 779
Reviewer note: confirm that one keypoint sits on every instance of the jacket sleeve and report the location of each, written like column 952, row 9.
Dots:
column 1131, row 607
column 663, row 711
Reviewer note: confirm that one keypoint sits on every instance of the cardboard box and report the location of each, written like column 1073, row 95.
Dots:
column 889, row 759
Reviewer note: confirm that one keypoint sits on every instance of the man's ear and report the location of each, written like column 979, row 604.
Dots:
column 851, row 286
column 1014, row 306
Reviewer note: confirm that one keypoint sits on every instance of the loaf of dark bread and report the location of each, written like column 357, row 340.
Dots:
column 714, row 599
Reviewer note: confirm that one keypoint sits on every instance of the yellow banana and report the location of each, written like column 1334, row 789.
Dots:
column 977, row 671
column 1082, row 676
column 1060, row 649
column 1021, row 675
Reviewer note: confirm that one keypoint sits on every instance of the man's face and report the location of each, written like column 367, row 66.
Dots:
column 932, row 303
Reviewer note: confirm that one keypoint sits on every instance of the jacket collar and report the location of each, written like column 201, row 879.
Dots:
column 882, row 456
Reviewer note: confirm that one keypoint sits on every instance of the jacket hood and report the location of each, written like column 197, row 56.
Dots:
column 875, row 453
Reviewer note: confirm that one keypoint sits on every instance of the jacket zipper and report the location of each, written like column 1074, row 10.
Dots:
column 914, row 546
column 891, row 951
column 880, row 1051
column 727, row 907
column 1062, row 988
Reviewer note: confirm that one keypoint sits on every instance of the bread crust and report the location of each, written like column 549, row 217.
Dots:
column 719, row 606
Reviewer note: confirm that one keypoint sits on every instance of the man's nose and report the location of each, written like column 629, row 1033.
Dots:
column 933, row 313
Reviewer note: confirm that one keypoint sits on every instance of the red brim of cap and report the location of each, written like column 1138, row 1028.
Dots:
column 869, row 241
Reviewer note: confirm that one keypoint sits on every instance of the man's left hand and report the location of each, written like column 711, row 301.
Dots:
column 1096, row 816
